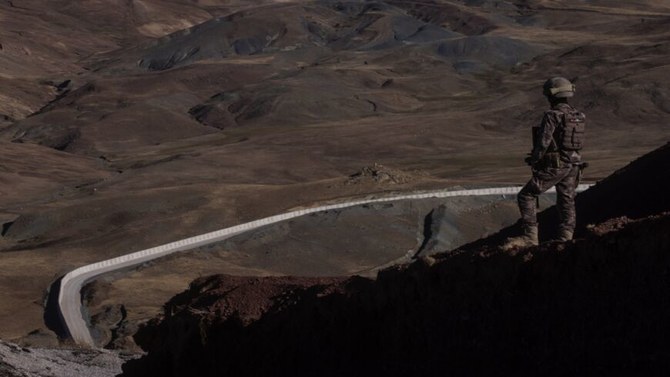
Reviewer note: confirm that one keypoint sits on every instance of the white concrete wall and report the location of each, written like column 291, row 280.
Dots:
column 69, row 298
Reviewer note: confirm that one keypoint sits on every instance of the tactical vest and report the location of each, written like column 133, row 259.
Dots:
column 570, row 135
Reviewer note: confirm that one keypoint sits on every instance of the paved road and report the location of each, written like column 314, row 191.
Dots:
column 69, row 298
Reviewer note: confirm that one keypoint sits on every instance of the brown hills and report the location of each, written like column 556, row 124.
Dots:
column 128, row 124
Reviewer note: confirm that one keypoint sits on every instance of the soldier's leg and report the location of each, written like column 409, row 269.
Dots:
column 541, row 181
column 565, row 202
column 527, row 199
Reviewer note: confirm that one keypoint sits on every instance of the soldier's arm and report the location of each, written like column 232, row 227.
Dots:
column 547, row 127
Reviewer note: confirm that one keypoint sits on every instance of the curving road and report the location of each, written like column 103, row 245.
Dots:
column 69, row 297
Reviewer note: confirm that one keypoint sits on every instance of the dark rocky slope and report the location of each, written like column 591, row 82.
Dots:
column 592, row 306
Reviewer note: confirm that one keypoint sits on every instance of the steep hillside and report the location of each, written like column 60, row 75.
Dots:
column 594, row 305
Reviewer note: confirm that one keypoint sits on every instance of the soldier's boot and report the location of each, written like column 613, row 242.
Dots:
column 565, row 235
column 528, row 238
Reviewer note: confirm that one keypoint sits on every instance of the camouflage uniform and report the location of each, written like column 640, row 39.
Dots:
column 552, row 166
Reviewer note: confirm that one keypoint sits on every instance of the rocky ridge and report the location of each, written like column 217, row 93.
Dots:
column 594, row 305
column 18, row 361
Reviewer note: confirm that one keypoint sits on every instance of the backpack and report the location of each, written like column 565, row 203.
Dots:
column 570, row 136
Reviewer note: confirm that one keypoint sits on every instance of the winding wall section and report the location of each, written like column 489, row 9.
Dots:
column 69, row 297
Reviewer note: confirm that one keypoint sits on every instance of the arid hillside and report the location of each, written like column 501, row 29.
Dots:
column 595, row 305
column 130, row 124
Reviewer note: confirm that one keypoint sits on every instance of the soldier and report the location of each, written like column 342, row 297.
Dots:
column 555, row 161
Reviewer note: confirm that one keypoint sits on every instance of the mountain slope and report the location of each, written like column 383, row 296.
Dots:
column 594, row 305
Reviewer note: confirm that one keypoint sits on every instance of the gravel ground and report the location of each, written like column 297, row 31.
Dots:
column 16, row 361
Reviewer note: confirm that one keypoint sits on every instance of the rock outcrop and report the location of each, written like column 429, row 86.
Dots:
column 20, row 361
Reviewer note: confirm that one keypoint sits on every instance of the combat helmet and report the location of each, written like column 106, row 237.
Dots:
column 558, row 87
